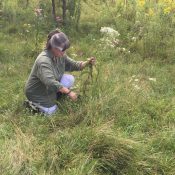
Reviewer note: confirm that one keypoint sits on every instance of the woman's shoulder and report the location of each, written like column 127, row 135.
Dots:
column 43, row 57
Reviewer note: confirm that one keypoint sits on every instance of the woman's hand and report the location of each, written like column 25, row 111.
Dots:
column 91, row 60
column 73, row 96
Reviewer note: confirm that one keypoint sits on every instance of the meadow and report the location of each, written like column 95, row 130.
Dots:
column 124, row 120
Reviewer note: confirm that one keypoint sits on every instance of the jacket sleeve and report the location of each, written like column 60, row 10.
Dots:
column 72, row 65
column 46, row 76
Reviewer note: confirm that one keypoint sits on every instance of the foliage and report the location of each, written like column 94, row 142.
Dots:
column 123, row 122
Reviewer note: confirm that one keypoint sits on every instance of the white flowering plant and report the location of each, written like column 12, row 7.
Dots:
column 108, row 31
column 111, row 39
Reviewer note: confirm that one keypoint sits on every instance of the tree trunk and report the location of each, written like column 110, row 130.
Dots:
column 53, row 10
column 64, row 11
column 27, row 3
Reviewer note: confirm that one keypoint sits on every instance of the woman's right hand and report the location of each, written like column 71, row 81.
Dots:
column 73, row 96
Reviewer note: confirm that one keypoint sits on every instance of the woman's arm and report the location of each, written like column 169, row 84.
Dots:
column 72, row 65
column 70, row 93
column 45, row 74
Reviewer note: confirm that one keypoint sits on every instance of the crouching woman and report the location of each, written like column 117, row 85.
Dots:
column 48, row 79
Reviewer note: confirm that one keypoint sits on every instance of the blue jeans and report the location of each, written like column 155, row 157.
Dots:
column 67, row 81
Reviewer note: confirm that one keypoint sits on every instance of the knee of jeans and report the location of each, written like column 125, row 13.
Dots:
column 72, row 78
column 48, row 111
column 68, row 80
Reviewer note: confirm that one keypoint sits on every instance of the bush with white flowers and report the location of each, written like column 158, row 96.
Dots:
column 111, row 39
column 109, row 32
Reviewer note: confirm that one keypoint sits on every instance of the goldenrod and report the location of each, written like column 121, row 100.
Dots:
column 167, row 10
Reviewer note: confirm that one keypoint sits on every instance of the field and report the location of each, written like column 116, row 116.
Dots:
column 124, row 120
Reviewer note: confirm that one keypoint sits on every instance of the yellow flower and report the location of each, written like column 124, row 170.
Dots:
column 167, row 10
column 151, row 12
column 141, row 3
column 168, row 1
column 173, row 6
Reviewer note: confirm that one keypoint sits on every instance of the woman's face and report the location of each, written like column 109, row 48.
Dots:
column 57, row 52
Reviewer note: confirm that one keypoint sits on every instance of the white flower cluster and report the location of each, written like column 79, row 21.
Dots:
column 135, row 82
column 152, row 79
column 109, row 31
column 122, row 49
column 27, row 27
column 111, row 39
column 134, row 39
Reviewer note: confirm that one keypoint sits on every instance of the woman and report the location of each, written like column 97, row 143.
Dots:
column 48, row 77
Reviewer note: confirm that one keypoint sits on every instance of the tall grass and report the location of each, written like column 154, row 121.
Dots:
column 123, row 123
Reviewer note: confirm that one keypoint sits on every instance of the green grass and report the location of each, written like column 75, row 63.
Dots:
column 124, row 123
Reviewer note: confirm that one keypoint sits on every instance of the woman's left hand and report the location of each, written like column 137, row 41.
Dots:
column 91, row 60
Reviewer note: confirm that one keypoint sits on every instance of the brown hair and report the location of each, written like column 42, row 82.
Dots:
column 48, row 46
column 57, row 39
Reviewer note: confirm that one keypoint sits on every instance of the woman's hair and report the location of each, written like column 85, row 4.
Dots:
column 57, row 38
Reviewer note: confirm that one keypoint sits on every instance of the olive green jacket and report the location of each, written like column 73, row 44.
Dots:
column 44, row 80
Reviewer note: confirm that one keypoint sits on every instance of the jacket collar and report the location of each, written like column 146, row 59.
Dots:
column 49, row 53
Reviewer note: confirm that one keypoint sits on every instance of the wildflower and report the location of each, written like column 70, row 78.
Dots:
column 123, row 49
column 168, row 1
column 167, row 10
column 136, row 86
column 141, row 3
column 152, row 79
column 25, row 25
column 150, row 12
column 112, row 45
column 109, row 31
column 134, row 39
column 116, row 42
column 110, row 37
column 58, row 19
column 130, row 80
column 38, row 12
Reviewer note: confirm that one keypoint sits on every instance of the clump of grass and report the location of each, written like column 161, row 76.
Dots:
column 113, row 156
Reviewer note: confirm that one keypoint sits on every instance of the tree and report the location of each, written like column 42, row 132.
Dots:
column 69, row 11
column 64, row 8
column 53, row 10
